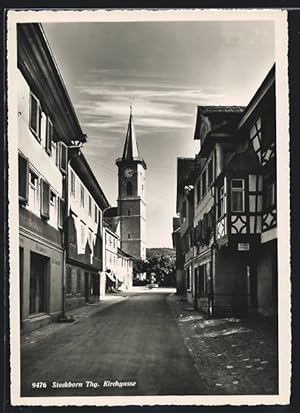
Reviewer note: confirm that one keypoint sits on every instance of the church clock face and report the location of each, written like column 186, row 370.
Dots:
column 128, row 173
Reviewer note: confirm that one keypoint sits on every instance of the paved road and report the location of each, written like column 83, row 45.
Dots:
column 136, row 340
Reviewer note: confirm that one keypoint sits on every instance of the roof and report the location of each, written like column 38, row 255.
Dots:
column 82, row 168
column 131, row 150
column 220, row 109
column 120, row 251
column 262, row 91
column 211, row 118
column 38, row 66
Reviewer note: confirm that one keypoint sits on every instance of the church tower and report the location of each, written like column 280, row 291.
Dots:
column 131, row 196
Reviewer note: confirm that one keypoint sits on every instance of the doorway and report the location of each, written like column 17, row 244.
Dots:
column 38, row 283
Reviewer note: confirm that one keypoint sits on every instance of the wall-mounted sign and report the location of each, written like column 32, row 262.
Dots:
column 242, row 246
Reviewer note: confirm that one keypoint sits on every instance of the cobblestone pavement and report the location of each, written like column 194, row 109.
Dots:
column 234, row 356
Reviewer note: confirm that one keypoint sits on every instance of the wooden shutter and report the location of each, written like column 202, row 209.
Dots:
column 60, row 213
column 23, row 179
column 63, row 157
column 45, row 199
column 49, row 136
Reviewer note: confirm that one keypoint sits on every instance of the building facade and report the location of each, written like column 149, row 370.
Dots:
column 131, row 196
column 227, row 206
column 46, row 125
column 84, row 233
column 118, row 266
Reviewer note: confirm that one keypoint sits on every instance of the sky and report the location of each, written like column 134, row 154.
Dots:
column 166, row 70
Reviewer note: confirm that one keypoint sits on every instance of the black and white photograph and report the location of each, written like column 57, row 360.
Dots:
column 148, row 207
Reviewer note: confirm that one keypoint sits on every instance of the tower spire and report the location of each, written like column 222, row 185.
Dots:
column 131, row 151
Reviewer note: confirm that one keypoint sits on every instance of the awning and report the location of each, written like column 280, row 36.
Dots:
column 111, row 276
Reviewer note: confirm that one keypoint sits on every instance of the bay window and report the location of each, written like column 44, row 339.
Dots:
column 237, row 195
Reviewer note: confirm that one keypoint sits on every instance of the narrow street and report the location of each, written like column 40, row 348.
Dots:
column 136, row 340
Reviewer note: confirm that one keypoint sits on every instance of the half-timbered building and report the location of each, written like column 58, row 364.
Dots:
column 230, row 250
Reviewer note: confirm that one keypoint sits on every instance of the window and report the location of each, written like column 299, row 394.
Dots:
column 63, row 157
column 57, row 154
column 90, row 206
column 96, row 214
column 49, row 136
column 60, row 213
column 69, row 280
column 45, row 199
column 23, row 179
column 203, row 179
column 52, row 198
column 237, row 195
column 210, row 173
column 53, row 212
column 53, row 150
column 128, row 236
column 73, row 184
column 35, row 117
column 33, row 192
column 78, row 284
column 81, row 195
column 129, row 212
column 198, row 191
column 221, row 202
column 129, row 188
column 270, row 194
column 255, row 137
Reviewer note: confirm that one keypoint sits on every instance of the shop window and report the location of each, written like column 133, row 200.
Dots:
column 38, row 283
column 69, row 280
column 203, row 281
column 78, row 284
column 237, row 195
column 129, row 188
column 49, row 136
column 23, row 179
column 45, row 199
column 35, row 115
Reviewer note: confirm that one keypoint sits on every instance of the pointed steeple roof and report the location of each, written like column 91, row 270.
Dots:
column 131, row 151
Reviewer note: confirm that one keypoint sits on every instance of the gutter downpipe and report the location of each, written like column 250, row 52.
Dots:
column 66, row 209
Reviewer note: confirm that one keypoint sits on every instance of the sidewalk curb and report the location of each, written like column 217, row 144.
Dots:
column 36, row 336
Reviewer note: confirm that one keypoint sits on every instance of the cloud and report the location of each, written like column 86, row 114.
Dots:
column 159, row 103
